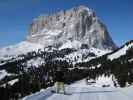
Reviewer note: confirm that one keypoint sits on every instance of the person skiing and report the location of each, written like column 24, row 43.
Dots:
column 59, row 77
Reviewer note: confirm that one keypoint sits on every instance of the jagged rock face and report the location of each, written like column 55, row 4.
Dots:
column 77, row 26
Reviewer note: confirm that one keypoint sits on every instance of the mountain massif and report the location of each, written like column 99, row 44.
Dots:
column 74, row 40
column 71, row 29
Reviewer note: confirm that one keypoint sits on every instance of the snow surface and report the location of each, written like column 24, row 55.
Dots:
column 99, row 82
column 102, row 80
column 76, row 57
column 81, row 91
column 3, row 74
column 120, row 52
column 99, row 52
column 35, row 62
column 131, row 60
column 83, row 55
column 20, row 48
column 71, row 44
column 79, row 56
column 13, row 81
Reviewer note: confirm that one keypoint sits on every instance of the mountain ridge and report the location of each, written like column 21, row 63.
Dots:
column 78, row 24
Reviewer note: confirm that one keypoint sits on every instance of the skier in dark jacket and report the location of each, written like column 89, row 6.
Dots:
column 59, row 77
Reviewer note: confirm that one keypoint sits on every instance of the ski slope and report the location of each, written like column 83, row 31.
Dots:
column 81, row 91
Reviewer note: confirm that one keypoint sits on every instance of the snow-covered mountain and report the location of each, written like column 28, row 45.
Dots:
column 77, row 28
column 74, row 40
column 71, row 29
column 21, row 48
column 122, row 51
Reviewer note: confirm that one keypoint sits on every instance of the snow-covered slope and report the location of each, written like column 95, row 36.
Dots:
column 71, row 44
column 18, row 49
column 81, row 91
column 98, row 82
column 122, row 51
column 15, row 52
column 35, row 62
column 83, row 55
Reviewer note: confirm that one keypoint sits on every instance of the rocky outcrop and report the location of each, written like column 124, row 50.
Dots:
column 78, row 25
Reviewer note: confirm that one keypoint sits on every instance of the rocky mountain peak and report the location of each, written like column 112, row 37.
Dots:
column 82, row 9
column 70, row 28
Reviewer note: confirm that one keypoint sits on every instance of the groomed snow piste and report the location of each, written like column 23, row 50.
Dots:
column 80, row 91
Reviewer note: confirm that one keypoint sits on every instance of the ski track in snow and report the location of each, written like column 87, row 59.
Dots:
column 82, row 92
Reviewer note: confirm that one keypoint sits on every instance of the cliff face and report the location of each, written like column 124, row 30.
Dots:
column 76, row 27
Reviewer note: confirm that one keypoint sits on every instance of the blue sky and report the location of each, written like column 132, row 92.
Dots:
column 16, row 15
